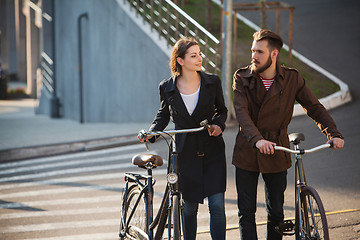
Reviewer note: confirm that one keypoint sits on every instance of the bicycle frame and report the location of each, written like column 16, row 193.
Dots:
column 300, row 182
column 146, row 188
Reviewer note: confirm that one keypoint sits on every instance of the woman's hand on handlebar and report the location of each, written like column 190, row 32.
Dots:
column 214, row 130
column 265, row 147
column 337, row 143
column 143, row 137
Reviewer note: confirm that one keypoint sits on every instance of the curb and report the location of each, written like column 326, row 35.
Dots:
column 9, row 155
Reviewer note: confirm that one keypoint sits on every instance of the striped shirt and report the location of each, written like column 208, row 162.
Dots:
column 267, row 82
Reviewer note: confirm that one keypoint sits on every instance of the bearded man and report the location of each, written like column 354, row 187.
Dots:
column 264, row 97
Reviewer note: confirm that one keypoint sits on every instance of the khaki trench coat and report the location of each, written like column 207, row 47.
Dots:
column 266, row 115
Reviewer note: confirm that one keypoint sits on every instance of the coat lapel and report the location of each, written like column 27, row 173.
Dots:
column 176, row 101
column 277, row 86
column 204, row 96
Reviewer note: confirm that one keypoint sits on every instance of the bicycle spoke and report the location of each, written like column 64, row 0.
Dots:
column 314, row 224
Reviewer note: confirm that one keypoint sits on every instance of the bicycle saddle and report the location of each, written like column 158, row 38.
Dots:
column 296, row 138
column 142, row 159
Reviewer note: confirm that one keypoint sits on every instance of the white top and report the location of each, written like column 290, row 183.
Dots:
column 191, row 100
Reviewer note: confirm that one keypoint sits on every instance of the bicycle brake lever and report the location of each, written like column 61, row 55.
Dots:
column 204, row 123
column 146, row 146
column 142, row 135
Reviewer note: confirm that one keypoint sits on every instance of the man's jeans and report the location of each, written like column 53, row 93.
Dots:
column 217, row 218
column 246, row 185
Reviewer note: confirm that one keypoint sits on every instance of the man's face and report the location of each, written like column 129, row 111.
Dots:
column 260, row 56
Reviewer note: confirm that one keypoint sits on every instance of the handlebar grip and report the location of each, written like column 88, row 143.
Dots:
column 331, row 144
column 142, row 134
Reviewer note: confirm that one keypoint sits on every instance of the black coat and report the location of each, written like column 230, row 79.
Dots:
column 202, row 162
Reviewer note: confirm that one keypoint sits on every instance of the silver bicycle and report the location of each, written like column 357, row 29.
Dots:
column 310, row 218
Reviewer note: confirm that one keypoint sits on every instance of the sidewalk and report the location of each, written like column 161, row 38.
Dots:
column 23, row 134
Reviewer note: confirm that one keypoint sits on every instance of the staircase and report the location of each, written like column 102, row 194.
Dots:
column 172, row 23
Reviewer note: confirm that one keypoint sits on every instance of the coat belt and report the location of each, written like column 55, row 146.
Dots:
column 273, row 135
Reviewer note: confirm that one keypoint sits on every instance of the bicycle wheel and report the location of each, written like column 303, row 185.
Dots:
column 136, row 228
column 176, row 217
column 314, row 224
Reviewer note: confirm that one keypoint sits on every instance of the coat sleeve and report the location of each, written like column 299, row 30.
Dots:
column 316, row 110
column 241, row 106
column 220, row 115
column 162, row 117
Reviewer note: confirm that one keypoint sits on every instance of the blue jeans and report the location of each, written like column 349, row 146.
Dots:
column 246, row 185
column 217, row 218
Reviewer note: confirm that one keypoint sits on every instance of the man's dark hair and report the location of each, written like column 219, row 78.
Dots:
column 274, row 40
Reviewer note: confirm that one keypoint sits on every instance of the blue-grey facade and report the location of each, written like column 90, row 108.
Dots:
column 121, row 62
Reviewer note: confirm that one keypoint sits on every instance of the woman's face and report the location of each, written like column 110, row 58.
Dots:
column 192, row 60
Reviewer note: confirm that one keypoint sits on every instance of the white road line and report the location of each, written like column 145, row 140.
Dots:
column 59, row 213
column 88, row 178
column 71, row 189
column 67, row 156
column 70, row 162
column 61, row 225
column 54, row 191
column 67, row 201
column 92, row 236
column 54, row 173
column 79, row 224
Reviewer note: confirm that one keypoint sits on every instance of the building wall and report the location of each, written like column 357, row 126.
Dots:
column 7, row 36
column 122, row 64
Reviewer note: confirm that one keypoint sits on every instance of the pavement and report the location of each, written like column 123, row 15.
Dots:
column 24, row 134
column 27, row 135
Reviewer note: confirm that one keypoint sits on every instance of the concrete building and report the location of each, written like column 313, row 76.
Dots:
column 91, row 60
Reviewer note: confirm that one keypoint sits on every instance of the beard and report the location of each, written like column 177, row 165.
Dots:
column 261, row 69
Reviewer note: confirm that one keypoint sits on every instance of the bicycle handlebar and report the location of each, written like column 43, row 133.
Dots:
column 303, row 151
column 143, row 134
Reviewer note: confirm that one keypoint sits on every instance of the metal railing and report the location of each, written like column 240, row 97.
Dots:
column 172, row 23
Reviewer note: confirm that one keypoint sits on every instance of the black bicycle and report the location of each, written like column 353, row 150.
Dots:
column 310, row 217
column 136, row 218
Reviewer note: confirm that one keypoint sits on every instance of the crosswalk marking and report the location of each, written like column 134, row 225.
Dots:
column 61, row 225
column 66, row 157
column 66, row 164
column 93, row 177
column 96, row 236
column 72, row 193
column 67, row 171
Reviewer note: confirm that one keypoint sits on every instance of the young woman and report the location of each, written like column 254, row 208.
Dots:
column 187, row 98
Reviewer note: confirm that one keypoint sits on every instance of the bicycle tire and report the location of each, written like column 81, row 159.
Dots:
column 137, row 225
column 314, row 223
column 176, row 217
column 162, row 218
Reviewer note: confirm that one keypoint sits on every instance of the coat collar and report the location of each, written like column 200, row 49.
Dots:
column 176, row 101
column 205, row 80
column 249, row 76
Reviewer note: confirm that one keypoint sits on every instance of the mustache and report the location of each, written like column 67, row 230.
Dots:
column 255, row 61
